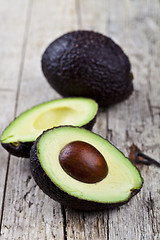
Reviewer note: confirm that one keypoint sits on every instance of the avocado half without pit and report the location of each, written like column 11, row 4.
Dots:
column 89, row 64
column 19, row 136
column 82, row 170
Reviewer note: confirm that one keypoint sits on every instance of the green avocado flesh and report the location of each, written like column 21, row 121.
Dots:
column 122, row 179
column 67, row 111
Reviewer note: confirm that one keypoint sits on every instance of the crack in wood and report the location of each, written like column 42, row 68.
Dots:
column 28, row 192
column 127, row 136
column 18, row 206
column 4, row 193
column 30, row 204
column 64, row 222
column 110, row 134
column 5, row 226
column 150, row 108
column 153, row 219
column 84, row 220
column 28, row 180
column 150, row 210
column 98, row 224
column 24, row 47
column 107, row 225
column 15, row 108
column 138, row 130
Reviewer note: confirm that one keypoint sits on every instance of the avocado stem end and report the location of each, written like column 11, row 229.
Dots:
column 138, row 158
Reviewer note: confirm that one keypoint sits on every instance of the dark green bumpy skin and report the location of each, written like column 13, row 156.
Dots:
column 88, row 64
column 23, row 148
column 49, row 188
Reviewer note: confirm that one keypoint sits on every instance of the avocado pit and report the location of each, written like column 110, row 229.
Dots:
column 83, row 162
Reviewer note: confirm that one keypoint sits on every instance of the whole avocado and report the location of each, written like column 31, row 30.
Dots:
column 88, row 64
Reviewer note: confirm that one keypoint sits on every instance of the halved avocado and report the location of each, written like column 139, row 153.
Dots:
column 19, row 136
column 120, row 182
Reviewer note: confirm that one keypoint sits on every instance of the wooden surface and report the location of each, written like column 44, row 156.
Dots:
column 26, row 28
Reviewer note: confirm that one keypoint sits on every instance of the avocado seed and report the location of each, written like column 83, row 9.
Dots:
column 83, row 162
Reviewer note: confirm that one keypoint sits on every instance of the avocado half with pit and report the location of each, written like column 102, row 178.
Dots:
column 88, row 64
column 19, row 136
column 82, row 170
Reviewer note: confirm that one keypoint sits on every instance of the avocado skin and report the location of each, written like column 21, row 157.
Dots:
column 88, row 64
column 23, row 148
column 49, row 188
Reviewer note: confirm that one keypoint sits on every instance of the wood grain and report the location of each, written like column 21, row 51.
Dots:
column 82, row 225
column 26, row 212
column 11, row 57
column 134, row 118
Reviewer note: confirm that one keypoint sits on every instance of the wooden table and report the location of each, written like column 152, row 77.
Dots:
column 27, row 27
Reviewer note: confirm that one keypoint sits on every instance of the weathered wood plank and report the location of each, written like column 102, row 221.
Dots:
column 50, row 19
column 12, row 25
column 93, row 15
column 28, row 213
column 7, row 110
column 10, row 55
column 138, row 219
column 82, row 225
column 137, row 31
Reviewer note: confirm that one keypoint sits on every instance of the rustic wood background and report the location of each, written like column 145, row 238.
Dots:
column 26, row 28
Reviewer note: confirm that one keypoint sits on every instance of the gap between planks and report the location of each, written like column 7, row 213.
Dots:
column 23, row 51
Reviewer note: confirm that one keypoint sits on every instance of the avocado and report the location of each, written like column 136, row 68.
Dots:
column 83, row 162
column 19, row 136
column 64, row 160
column 88, row 64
